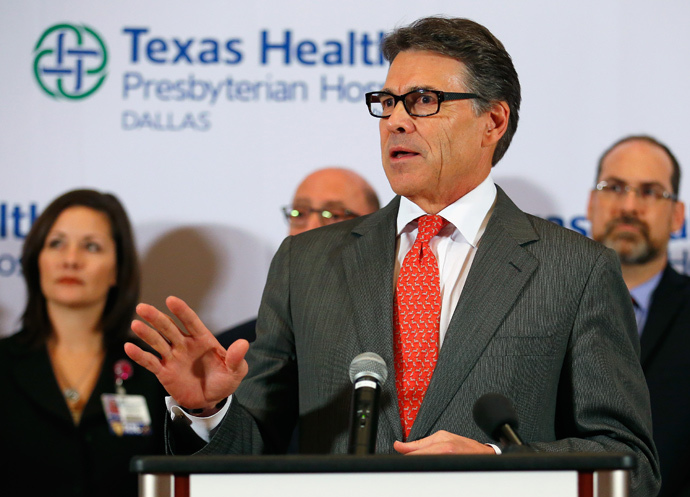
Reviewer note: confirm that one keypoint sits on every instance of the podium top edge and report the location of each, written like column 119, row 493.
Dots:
column 541, row 461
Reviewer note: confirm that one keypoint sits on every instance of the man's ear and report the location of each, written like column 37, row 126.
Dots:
column 497, row 123
column 589, row 205
column 678, row 216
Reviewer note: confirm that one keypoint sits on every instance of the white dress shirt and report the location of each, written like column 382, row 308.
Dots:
column 454, row 246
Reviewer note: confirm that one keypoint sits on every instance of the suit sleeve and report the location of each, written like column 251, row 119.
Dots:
column 264, row 409
column 603, row 401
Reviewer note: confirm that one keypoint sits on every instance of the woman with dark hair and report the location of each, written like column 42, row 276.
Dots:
column 75, row 409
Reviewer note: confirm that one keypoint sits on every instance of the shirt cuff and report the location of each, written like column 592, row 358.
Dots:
column 201, row 426
column 496, row 448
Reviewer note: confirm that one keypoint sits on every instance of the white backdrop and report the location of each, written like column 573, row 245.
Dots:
column 204, row 146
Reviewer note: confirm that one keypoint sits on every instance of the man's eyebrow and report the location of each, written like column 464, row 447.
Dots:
column 643, row 183
column 411, row 88
column 331, row 204
column 612, row 178
column 334, row 204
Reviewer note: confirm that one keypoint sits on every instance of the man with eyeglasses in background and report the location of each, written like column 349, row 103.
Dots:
column 324, row 197
column 328, row 196
column 459, row 291
column 634, row 209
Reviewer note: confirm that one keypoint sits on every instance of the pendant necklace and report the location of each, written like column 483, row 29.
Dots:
column 71, row 391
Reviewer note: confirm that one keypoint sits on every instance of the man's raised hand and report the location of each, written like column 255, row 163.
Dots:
column 193, row 367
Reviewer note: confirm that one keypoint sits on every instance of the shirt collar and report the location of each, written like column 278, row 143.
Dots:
column 643, row 293
column 467, row 213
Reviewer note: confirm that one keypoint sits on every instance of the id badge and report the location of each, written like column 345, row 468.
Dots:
column 127, row 414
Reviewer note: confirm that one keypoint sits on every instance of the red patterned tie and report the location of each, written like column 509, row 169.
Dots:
column 416, row 318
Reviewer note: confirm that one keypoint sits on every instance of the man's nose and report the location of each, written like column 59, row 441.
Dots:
column 631, row 200
column 313, row 221
column 399, row 121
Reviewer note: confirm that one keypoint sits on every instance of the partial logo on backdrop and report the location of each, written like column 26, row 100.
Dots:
column 70, row 61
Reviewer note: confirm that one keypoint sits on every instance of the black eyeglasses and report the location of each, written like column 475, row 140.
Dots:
column 297, row 216
column 417, row 103
column 647, row 193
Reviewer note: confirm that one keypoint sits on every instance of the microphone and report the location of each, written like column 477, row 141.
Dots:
column 495, row 415
column 368, row 373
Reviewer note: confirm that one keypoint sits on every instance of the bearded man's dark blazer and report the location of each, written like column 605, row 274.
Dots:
column 665, row 345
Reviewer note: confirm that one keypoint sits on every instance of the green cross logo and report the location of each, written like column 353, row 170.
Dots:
column 70, row 61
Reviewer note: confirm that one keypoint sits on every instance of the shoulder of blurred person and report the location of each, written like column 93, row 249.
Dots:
column 246, row 331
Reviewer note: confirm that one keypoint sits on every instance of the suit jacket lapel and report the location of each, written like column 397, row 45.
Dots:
column 500, row 270
column 368, row 264
column 667, row 300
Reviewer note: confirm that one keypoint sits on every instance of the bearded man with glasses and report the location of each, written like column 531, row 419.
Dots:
column 634, row 209
column 459, row 291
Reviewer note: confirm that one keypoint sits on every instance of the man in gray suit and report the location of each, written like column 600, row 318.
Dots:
column 527, row 309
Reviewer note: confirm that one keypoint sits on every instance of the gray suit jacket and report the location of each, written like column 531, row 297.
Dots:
column 544, row 318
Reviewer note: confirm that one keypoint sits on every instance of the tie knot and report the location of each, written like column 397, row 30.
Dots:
column 428, row 227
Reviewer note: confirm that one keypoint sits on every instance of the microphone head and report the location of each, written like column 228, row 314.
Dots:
column 368, row 364
column 493, row 410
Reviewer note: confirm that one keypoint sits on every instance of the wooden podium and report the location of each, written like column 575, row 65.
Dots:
column 519, row 474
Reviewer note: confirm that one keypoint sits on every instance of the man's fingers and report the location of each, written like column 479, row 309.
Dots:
column 437, row 448
column 152, row 337
column 144, row 359
column 443, row 442
column 189, row 319
column 422, row 443
column 161, row 322
column 402, row 448
column 415, row 445
column 421, row 452
column 234, row 357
